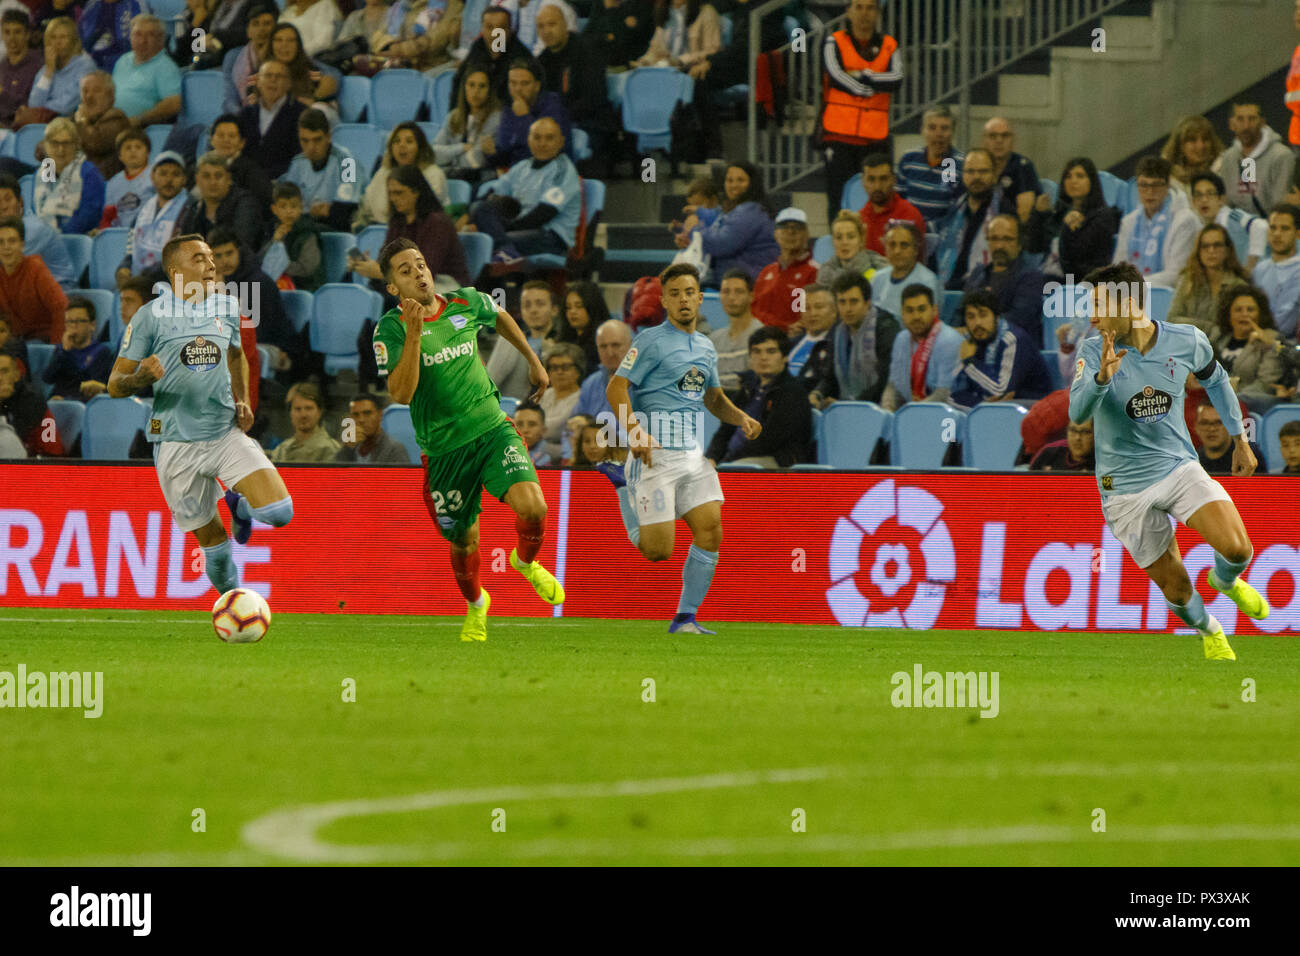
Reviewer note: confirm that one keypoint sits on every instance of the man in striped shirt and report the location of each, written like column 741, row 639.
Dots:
column 930, row 178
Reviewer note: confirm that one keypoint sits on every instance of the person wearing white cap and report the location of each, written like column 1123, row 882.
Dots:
column 777, row 290
column 156, row 219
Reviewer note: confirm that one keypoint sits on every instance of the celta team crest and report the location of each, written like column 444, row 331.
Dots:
column 692, row 383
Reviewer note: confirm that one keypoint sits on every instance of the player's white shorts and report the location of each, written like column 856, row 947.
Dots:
column 188, row 473
column 1143, row 520
column 675, row 483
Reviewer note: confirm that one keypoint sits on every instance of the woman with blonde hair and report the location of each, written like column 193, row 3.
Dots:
column 1192, row 148
column 1211, row 269
column 57, row 89
column 848, row 253
column 406, row 147
column 74, row 200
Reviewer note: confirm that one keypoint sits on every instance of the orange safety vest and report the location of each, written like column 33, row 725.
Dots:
column 849, row 117
column 1293, row 97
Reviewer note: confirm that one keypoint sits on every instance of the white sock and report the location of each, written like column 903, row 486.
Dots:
column 1211, row 624
column 481, row 599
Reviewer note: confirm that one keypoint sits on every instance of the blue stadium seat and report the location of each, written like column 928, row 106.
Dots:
column 167, row 9
column 68, row 418
column 27, row 185
column 439, row 97
column 581, row 145
column 593, row 191
column 709, row 426
column 39, row 356
column 110, row 425
column 823, row 249
column 397, row 423
column 430, row 130
column 819, row 432
column 992, row 440
column 614, row 84
column 1053, row 369
column 339, row 310
column 854, row 195
column 370, row 240
column 649, row 97
column 711, row 311
column 850, row 432
column 728, row 29
column 509, row 405
column 919, row 433
column 949, row 309
column 1051, row 187
column 1112, row 188
column 298, row 306
column 157, row 134
column 364, row 141
column 1161, row 298
column 201, row 94
column 478, row 251
column 335, row 246
column 107, row 250
column 264, row 352
column 116, row 327
column 395, row 96
column 105, row 303
column 354, row 98
column 205, row 140
column 79, row 248
column 459, row 192
column 1270, row 443
column 25, row 141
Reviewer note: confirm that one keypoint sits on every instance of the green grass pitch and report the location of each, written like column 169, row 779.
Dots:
column 544, row 729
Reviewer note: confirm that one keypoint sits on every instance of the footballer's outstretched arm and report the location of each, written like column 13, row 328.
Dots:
column 724, row 410
column 509, row 330
column 129, row 376
column 405, row 375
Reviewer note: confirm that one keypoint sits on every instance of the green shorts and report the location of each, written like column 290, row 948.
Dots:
column 453, row 483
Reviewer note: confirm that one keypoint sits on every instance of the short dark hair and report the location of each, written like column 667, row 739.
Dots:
column 15, row 222
column 851, row 280
column 16, row 16
column 740, row 274
column 873, row 160
column 770, row 333
column 1207, row 177
column 81, row 302
column 367, row 397
column 308, row 390
column 225, row 118
column 678, row 270
column 1119, row 275
column 284, row 189
column 1287, row 209
column 915, row 289
column 222, row 235
column 173, row 247
column 391, row 250
column 1154, row 167
column 531, row 407
column 132, row 134
column 1290, row 430
column 1231, row 294
column 140, row 285
column 9, row 182
column 541, row 285
column 492, row 8
column 315, row 121
column 520, row 63
column 978, row 299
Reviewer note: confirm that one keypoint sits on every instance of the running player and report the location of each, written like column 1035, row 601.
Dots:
column 428, row 349
column 1147, row 469
column 186, row 344
column 674, row 370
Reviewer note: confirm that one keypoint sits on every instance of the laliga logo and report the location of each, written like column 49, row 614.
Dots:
column 891, row 569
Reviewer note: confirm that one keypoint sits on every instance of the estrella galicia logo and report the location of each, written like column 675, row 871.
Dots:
column 200, row 355
column 1149, row 405
column 692, row 383
column 894, row 547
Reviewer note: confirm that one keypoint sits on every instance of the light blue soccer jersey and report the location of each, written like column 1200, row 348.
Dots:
column 193, row 400
column 1139, row 432
column 670, row 370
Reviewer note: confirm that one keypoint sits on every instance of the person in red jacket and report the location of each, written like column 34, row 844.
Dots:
column 28, row 293
column 884, row 205
column 775, row 299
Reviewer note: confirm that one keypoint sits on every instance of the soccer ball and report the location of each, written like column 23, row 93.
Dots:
column 241, row 616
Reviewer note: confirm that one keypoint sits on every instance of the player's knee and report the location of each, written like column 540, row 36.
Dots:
column 1239, row 551
column 533, row 510
column 277, row 514
column 710, row 539
column 656, row 553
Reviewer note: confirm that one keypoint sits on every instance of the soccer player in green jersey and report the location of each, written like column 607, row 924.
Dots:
column 428, row 350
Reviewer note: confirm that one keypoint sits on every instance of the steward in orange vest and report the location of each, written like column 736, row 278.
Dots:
column 856, row 84
column 1293, row 92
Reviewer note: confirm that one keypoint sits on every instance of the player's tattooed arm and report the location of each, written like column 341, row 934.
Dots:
column 716, row 401
column 509, row 330
column 129, row 376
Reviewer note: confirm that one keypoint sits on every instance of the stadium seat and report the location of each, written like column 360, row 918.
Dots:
column 728, row 29
column 709, row 426
column 439, row 97
column 1161, row 298
column 735, row 466
column 854, row 196
column 1051, row 187
column 823, row 249
column 1270, row 443
column 39, row 356
column 267, row 365
column 395, row 95
column 205, row 139
column 298, row 305
column 354, row 98
column 819, row 433
column 68, row 417
column 649, row 98
column 509, row 405
column 614, row 84
column 167, row 9
column 157, row 134
column 25, row 141
column 992, row 440
column 593, row 192
column 79, row 253
column 397, row 423
column 201, row 94
column 711, row 311
column 459, row 192
column 105, row 303
column 1112, row 188
column 364, row 141
column 339, row 310
column 27, row 185
column 920, row 431
column 850, row 432
column 110, row 426
column 948, row 309
column 107, row 250
column 478, row 251
column 809, row 466
column 1053, row 369
column 336, row 246
column 581, row 145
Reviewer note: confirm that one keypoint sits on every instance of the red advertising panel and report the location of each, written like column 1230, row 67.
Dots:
column 883, row 549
